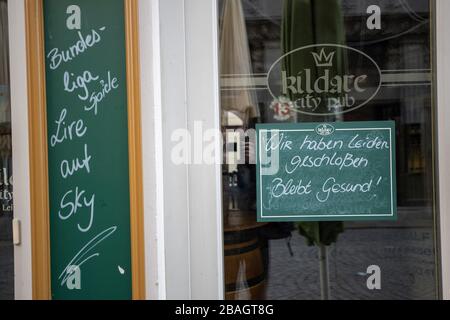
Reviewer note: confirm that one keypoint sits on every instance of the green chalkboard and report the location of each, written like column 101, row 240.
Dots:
column 326, row 171
column 85, row 59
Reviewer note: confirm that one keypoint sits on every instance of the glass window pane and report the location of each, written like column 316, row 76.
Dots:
column 6, row 181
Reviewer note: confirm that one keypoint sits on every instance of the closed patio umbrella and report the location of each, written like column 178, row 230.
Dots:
column 235, row 60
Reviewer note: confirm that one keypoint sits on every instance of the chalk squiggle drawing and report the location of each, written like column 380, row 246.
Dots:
column 79, row 259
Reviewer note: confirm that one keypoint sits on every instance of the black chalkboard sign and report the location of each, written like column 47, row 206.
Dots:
column 85, row 60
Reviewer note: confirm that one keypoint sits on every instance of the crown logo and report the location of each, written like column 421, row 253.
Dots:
column 324, row 129
column 322, row 59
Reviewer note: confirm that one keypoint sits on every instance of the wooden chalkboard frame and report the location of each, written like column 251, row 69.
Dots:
column 37, row 123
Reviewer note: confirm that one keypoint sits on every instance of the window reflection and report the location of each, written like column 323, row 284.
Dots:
column 286, row 260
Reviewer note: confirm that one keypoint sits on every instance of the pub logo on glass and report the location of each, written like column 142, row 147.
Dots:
column 323, row 79
column 326, row 171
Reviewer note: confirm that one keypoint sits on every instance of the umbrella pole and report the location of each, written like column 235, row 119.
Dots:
column 324, row 280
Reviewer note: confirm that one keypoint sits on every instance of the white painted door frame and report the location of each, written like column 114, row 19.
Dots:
column 179, row 79
column 189, row 42
column 442, row 104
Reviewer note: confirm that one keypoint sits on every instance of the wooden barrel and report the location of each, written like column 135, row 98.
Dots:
column 244, row 266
